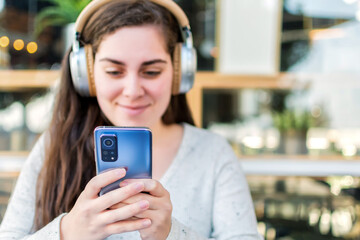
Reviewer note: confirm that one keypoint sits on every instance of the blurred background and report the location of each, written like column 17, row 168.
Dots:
column 280, row 79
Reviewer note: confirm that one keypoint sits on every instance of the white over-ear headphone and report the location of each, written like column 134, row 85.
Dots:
column 82, row 60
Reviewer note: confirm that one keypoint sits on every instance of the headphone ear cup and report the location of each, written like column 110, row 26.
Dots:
column 82, row 71
column 90, row 69
column 184, row 65
column 188, row 68
column 176, row 82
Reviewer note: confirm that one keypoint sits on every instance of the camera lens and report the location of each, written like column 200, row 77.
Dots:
column 108, row 148
column 108, row 142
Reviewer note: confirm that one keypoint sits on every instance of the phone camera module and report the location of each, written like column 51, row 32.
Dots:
column 109, row 151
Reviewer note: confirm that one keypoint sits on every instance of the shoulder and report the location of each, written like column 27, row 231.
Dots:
column 209, row 154
column 201, row 135
column 36, row 157
column 207, row 143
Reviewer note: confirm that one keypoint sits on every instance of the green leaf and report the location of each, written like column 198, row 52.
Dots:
column 61, row 13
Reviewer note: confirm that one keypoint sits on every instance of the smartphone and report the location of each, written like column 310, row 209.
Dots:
column 123, row 147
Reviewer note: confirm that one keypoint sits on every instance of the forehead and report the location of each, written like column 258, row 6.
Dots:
column 137, row 38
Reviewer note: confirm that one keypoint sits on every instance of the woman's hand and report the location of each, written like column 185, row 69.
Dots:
column 160, row 208
column 91, row 217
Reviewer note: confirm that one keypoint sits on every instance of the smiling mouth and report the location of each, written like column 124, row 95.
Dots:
column 133, row 107
column 133, row 110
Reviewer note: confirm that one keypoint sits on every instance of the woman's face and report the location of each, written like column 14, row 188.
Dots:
column 133, row 76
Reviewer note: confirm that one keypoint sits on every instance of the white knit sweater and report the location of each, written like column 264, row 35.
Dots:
column 208, row 190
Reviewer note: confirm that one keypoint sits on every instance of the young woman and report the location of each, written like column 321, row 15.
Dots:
column 198, row 190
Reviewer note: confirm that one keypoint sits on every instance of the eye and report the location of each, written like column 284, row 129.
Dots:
column 152, row 73
column 113, row 73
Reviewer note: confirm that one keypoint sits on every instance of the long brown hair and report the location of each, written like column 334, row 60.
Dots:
column 69, row 160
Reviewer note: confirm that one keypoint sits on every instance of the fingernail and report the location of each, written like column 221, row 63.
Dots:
column 120, row 171
column 146, row 222
column 124, row 183
column 144, row 204
column 139, row 186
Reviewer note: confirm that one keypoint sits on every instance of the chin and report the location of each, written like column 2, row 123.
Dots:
column 146, row 120
column 133, row 123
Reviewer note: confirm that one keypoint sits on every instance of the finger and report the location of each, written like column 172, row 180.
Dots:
column 155, row 216
column 155, row 202
column 127, row 226
column 151, row 186
column 137, row 197
column 94, row 186
column 128, row 211
column 118, row 205
column 118, row 195
column 150, row 214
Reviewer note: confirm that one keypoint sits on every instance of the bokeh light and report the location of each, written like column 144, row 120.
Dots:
column 18, row 44
column 4, row 41
column 350, row 1
column 32, row 47
column 357, row 16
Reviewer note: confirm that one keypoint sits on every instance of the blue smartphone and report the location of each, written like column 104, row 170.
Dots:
column 123, row 147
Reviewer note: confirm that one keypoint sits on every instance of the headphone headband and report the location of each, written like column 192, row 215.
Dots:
column 96, row 4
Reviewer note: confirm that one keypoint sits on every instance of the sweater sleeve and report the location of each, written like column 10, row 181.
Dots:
column 179, row 231
column 233, row 210
column 19, row 217
column 222, row 180
column 237, row 222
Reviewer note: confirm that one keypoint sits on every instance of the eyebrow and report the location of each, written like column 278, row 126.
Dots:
column 143, row 64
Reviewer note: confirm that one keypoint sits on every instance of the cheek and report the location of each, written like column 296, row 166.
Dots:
column 99, row 87
column 104, row 93
column 164, row 93
column 164, row 87
column 104, row 90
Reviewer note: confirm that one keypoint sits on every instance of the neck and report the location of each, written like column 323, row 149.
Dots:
column 166, row 142
column 159, row 132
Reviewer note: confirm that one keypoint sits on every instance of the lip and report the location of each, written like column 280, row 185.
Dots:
column 133, row 110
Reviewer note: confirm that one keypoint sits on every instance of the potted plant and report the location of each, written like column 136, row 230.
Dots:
column 61, row 13
column 293, row 126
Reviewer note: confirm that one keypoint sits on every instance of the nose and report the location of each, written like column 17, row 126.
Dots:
column 133, row 87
